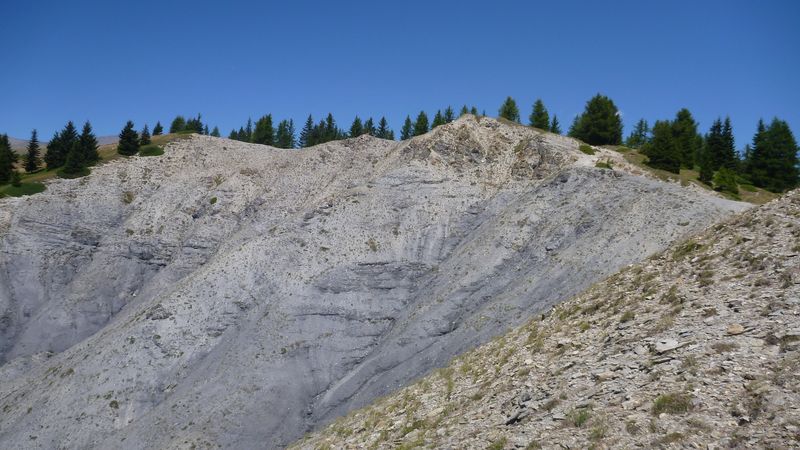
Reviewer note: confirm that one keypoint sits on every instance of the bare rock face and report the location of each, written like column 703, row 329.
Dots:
column 239, row 295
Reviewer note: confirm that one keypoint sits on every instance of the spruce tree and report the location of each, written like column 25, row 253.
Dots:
column 205, row 129
column 684, row 129
column 728, row 158
column 6, row 160
column 438, row 120
column 449, row 115
column 306, row 133
column 158, row 129
column 555, row 127
column 60, row 145
column 539, row 117
column 246, row 134
column 88, row 145
column 662, row 151
column 75, row 165
column 178, row 125
column 509, row 110
column 640, row 135
column 474, row 111
column 144, row 136
column 600, row 123
column 233, row 135
column 32, row 160
column 356, row 129
column 383, row 130
column 369, row 127
column 774, row 163
column 408, row 129
column 421, row 125
column 16, row 179
column 331, row 131
column 464, row 110
column 264, row 132
column 215, row 132
column 128, row 140
column 284, row 137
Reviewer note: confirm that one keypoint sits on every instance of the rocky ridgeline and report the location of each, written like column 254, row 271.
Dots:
column 236, row 295
column 696, row 347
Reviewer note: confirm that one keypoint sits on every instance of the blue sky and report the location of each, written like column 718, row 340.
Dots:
column 110, row 61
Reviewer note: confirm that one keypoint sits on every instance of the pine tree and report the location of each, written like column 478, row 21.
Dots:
column 6, row 160
column 158, row 129
column 306, row 133
column 144, row 136
column 774, row 162
column 16, row 179
column 284, row 137
column 539, row 117
column 60, row 145
column 75, row 165
column 464, row 110
column 264, row 132
column 369, row 127
column 600, row 123
column 178, row 124
column 88, row 145
column 449, row 115
column 215, row 132
column 233, row 135
column 408, row 129
column 331, row 132
column 640, row 135
column 684, row 129
column 205, row 129
column 128, row 141
column 662, row 151
column 421, row 125
column 356, row 129
column 383, row 131
column 555, row 127
column 509, row 110
column 474, row 111
column 195, row 125
column 438, row 119
column 707, row 159
column 728, row 158
column 32, row 160
column 246, row 134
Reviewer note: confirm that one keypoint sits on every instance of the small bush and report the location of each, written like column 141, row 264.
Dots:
column 586, row 149
column 151, row 150
column 674, row 403
column 578, row 418
column 128, row 196
column 725, row 181
column 627, row 317
column 82, row 173
column 213, row 200
column 604, row 164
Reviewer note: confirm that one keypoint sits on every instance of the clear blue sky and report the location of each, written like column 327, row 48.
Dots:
column 110, row 61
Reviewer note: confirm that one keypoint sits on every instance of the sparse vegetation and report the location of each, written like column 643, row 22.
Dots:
column 673, row 403
column 586, row 149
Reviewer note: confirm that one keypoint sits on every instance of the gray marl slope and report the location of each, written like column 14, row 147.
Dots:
column 237, row 295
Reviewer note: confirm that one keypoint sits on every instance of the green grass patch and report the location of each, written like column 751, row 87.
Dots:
column 23, row 189
column 672, row 404
column 604, row 164
column 151, row 150
column 585, row 148
column 85, row 171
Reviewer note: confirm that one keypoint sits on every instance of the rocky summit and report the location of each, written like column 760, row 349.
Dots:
column 235, row 295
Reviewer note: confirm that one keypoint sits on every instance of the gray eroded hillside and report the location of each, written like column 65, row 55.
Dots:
column 238, row 295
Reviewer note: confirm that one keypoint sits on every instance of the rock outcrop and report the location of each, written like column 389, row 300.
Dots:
column 236, row 295
column 697, row 347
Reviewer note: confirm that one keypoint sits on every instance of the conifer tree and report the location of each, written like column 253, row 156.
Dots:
column 88, row 145
column 233, row 135
column 264, row 132
column 640, row 135
column 60, row 145
column 449, row 115
column 128, row 140
column 555, row 127
column 474, row 111
column 464, row 110
column 509, row 110
column 421, row 125
column 205, row 129
column 32, row 160
column 144, row 136
column 774, row 163
column 246, row 134
column 178, row 124
column 383, row 130
column 284, row 137
column 728, row 158
column 331, row 132
column 408, row 129
column 369, row 127
column 158, row 129
column 75, row 165
column 539, row 117
column 688, row 141
column 438, row 119
column 306, row 133
column 600, row 123
column 215, row 132
column 7, row 159
column 356, row 129
column 661, row 151
column 16, row 179
column 707, row 159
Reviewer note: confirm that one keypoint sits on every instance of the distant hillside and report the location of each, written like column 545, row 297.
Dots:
column 19, row 145
column 697, row 347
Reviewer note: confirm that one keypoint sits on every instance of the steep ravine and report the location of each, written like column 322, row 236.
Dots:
column 238, row 295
